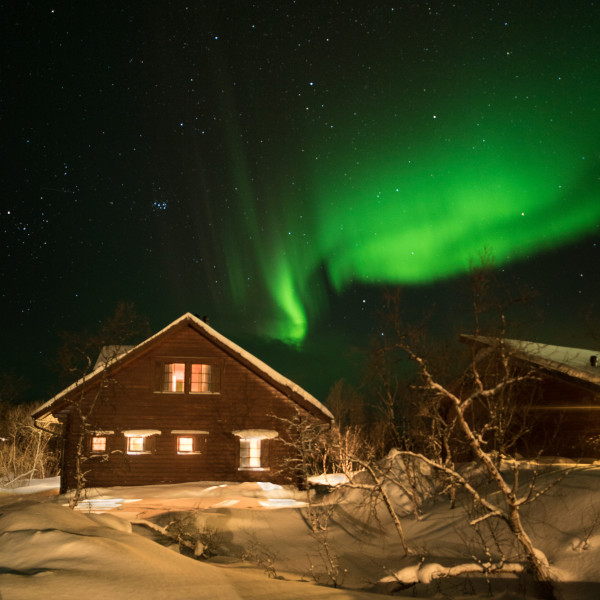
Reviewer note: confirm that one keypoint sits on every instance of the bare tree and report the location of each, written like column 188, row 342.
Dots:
column 25, row 451
column 481, row 416
column 77, row 358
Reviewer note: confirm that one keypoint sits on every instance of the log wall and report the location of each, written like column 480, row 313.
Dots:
column 126, row 399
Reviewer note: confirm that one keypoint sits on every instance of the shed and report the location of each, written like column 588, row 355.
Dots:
column 563, row 401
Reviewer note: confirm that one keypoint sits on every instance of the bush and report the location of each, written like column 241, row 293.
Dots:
column 25, row 451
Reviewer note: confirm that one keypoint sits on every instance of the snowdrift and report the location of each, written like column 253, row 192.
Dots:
column 46, row 550
column 49, row 551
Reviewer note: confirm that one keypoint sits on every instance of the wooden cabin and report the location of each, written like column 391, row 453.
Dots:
column 558, row 408
column 187, row 404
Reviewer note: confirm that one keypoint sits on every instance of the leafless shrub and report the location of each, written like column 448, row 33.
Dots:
column 203, row 543
column 26, row 452
column 325, row 566
column 592, row 521
column 261, row 556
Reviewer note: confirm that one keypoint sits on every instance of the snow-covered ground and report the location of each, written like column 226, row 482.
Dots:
column 264, row 548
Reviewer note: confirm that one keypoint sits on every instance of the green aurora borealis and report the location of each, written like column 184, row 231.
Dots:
column 426, row 195
column 276, row 165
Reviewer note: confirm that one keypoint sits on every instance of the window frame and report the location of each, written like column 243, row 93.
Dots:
column 261, row 438
column 148, row 440
column 206, row 377
column 142, row 445
column 165, row 374
column 180, row 444
column 97, row 438
column 198, row 441
column 209, row 376
column 97, row 435
column 251, row 450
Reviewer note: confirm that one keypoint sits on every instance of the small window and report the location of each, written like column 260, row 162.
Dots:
column 201, row 380
column 98, row 443
column 173, row 377
column 136, row 445
column 190, row 441
column 185, row 444
column 250, row 454
column 141, row 441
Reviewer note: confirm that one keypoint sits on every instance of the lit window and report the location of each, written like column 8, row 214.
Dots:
column 190, row 441
column 254, row 454
column 98, row 444
column 185, row 444
column 201, row 380
column 173, row 377
column 141, row 441
column 136, row 444
column 250, row 454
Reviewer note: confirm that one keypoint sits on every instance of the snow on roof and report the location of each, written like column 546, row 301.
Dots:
column 109, row 354
column 189, row 432
column 573, row 362
column 141, row 432
column 256, row 434
column 260, row 365
column 212, row 334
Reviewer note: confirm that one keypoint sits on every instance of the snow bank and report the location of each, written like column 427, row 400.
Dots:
column 33, row 486
column 329, row 479
column 49, row 551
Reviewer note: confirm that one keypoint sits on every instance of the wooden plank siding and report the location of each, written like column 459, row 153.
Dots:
column 130, row 401
column 565, row 421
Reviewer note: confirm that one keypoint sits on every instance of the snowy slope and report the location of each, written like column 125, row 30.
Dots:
column 47, row 550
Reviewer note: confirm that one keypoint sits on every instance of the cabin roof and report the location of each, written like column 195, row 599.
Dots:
column 568, row 363
column 119, row 354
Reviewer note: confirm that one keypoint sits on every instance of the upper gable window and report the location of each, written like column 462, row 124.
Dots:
column 173, row 377
column 193, row 377
column 201, row 378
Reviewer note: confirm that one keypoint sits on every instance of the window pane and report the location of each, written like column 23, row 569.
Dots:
column 185, row 444
column 173, row 377
column 249, row 454
column 135, row 444
column 201, row 378
column 98, row 444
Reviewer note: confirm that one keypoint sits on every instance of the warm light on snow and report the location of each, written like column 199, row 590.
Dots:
column 48, row 549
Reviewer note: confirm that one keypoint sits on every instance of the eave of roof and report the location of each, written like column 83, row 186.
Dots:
column 571, row 363
column 259, row 367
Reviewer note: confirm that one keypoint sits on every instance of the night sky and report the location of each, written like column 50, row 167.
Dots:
column 276, row 165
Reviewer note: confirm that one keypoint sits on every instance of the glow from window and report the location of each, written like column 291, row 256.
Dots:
column 249, row 454
column 98, row 444
column 135, row 444
column 174, row 377
column 185, row 444
column 200, row 378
